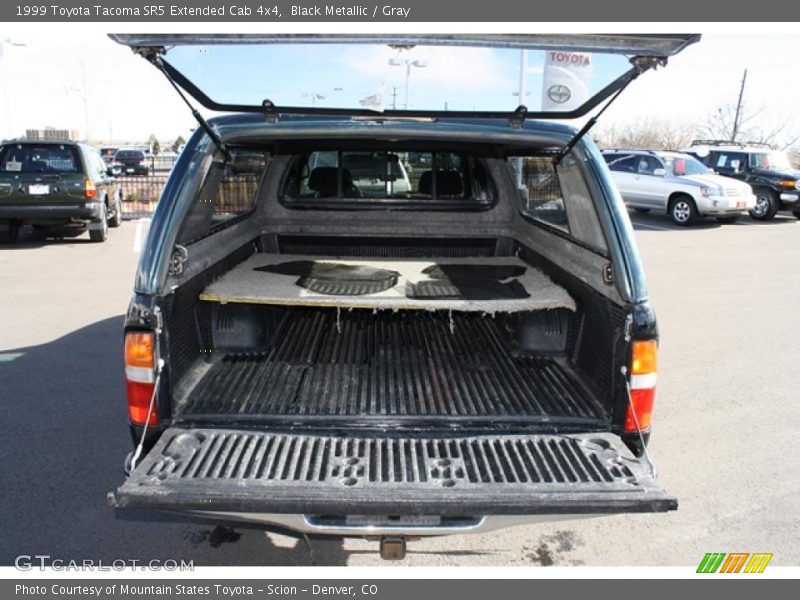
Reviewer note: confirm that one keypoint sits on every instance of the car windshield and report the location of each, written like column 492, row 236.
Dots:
column 770, row 161
column 32, row 158
column 683, row 164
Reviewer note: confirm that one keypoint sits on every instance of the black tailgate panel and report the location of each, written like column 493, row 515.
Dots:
column 255, row 471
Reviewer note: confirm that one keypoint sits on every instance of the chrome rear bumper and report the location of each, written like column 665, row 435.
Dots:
column 340, row 527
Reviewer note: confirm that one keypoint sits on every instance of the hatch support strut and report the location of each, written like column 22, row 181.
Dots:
column 640, row 65
column 153, row 55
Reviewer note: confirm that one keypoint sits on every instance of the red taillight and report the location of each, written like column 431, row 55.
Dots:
column 644, row 365
column 90, row 189
column 642, row 401
column 140, row 376
column 139, row 396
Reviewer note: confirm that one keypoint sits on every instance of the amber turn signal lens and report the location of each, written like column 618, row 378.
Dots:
column 140, row 349
column 645, row 357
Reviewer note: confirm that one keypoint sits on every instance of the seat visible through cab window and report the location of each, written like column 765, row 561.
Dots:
column 648, row 165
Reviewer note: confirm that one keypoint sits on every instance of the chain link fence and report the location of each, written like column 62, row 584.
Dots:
column 140, row 195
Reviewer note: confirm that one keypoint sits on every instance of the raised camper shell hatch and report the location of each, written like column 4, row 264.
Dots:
column 176, row 55
column 377, row 467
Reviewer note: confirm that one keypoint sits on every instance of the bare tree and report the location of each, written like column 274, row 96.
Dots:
column 755, row 125
column 650, row 134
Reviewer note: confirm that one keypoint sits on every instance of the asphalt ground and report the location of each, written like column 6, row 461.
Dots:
column 725, row 430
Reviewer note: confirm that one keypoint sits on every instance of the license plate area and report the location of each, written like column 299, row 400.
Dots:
column 383, row 521
column 38, row 189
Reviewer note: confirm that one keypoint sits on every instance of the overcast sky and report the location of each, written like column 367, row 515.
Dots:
column 67, row 79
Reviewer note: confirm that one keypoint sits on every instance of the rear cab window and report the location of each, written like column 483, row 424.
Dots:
column 394, row 178
column 39, row 158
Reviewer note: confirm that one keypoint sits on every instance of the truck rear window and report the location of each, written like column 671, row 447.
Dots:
column 396, row 178
column 130, row 155
column 45, row 158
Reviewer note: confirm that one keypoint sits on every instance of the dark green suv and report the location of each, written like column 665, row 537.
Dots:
column 55, row 183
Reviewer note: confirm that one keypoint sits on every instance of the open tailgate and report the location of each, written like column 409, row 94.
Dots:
column 231, row 470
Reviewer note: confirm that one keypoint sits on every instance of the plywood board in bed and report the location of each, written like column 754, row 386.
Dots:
column 245, row 284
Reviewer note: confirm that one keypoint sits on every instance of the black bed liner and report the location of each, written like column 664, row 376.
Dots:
column 404, row 365
column 259, row 471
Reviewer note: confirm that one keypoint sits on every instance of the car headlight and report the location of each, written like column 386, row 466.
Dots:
column 712, row 191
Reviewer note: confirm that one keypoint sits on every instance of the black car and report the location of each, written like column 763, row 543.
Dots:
column 55, row 183
column 132, row 162
column 327, row 351
column 769, row 172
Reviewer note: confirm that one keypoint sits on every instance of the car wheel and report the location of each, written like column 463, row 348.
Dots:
column 641, row 210
column 766, row 205
column 683, row 211
column 100, row 234
column 796, row 214
column 727, row 220
column 10, row 235
column 116, row 220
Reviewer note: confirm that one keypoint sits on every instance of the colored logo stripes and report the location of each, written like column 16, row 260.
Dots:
column 735, row 562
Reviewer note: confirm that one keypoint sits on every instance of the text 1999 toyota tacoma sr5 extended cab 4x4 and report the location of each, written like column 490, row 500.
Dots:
column 356, row 322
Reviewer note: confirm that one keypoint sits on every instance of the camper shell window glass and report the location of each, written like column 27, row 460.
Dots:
column 229, row 191
column 400, row 178
column 558, row 197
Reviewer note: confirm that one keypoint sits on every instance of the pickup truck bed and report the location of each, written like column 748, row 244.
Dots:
column 400, row 366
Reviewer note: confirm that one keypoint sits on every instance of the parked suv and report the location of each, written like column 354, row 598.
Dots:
column 770, row 173
column 677, row 184
column 320, row 340
column 54, row 183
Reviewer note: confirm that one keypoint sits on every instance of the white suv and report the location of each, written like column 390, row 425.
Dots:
column 677, row 184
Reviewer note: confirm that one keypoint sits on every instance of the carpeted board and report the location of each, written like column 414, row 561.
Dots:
column 246, row 284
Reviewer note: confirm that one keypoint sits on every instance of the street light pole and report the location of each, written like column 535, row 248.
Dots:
column 408, row 76
column 420, row 64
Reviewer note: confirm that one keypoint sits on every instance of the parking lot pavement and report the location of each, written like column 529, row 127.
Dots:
column 724, row 438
